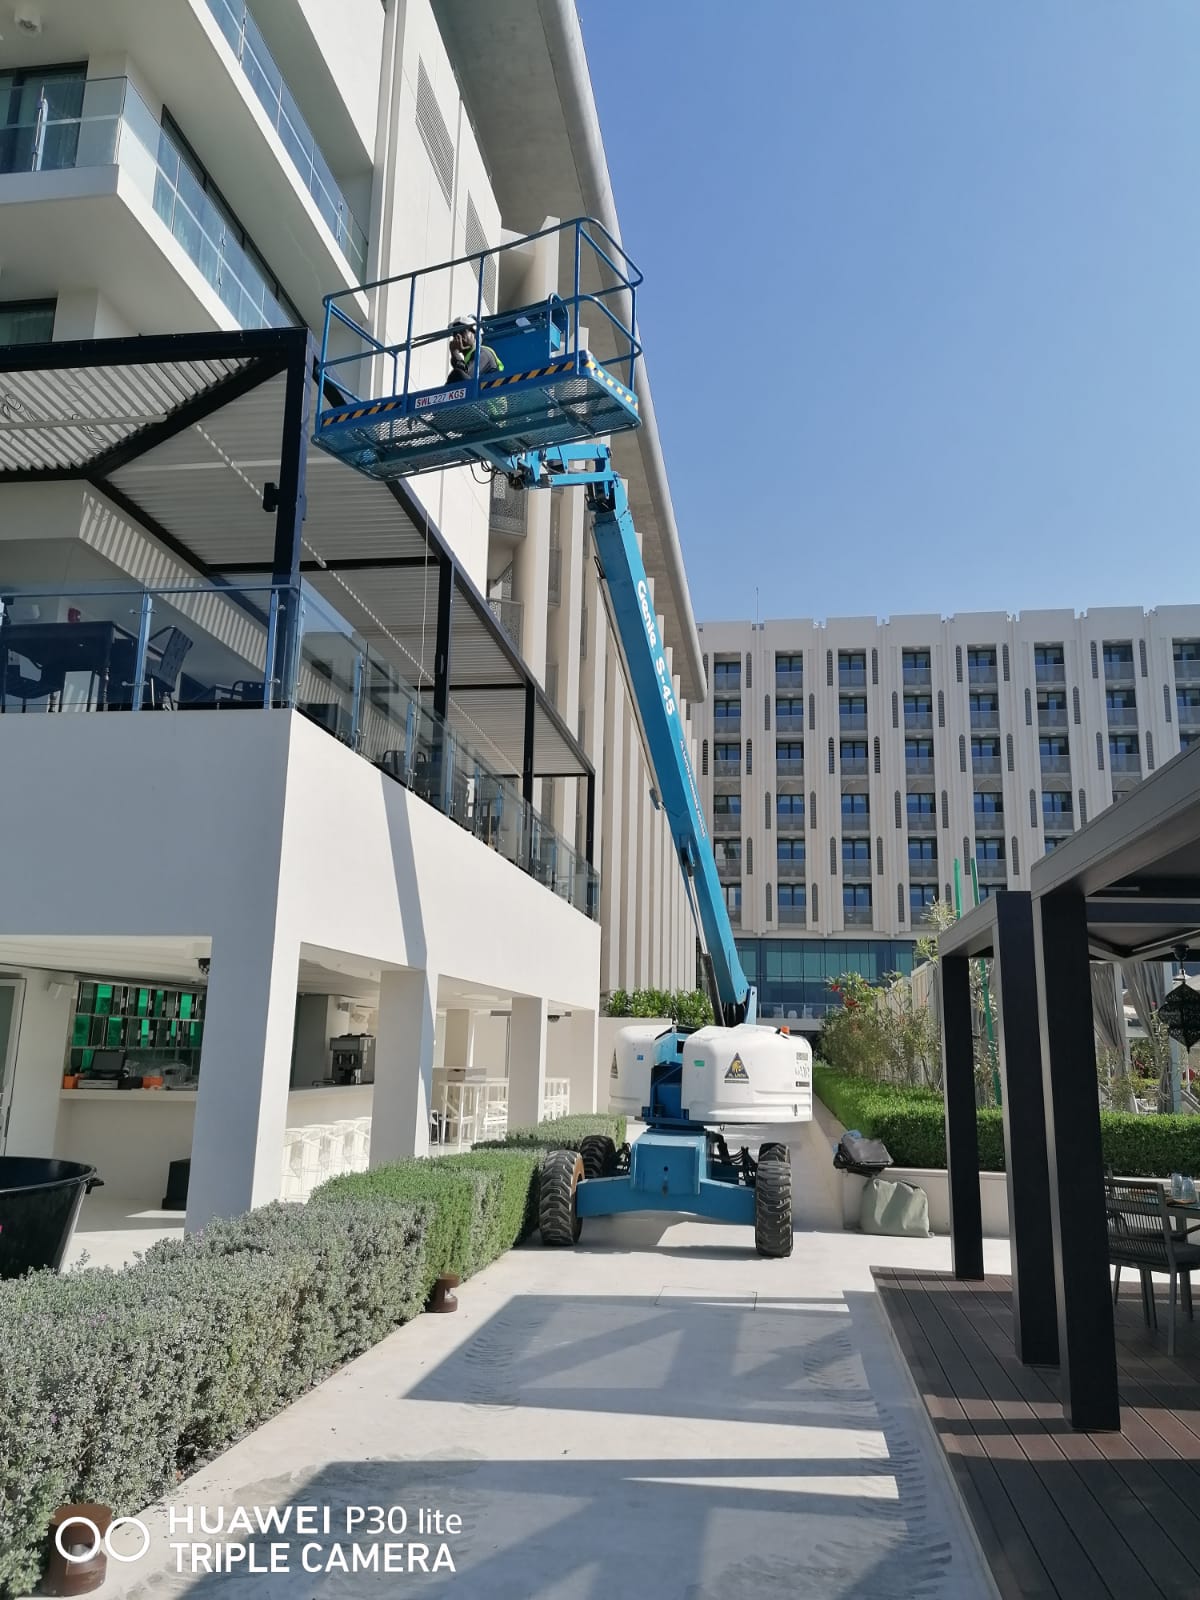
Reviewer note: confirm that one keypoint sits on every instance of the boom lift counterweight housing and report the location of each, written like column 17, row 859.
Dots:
column 688, row 1085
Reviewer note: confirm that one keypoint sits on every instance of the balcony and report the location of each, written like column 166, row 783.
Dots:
column 1187, row 671
column 991, row 871
column 985, row 766
column 509, row 614
column 1050, row 672
column 854, row 767
column 985, row 719
column 204, row 647
column 730, row 871
column 1122, row 716
column 916, row 766
column 735, row 914
column 727, row 768
column 856, row 869
column 923, row 869
column 789, row 722
column 117, row 131
column 789, row 767
column 990, row 822
column 793, row 915
column 788, row 681
column 917, row 677
column 1189, row 715
column 982, row 674
column 1057, row 821
column 791, row 871
column 852, row 722
column 724, row 824
column 857, row 916
column 918, row 721
column 729, row 724
column 1125, row 762
column 272, row 93
column 789, row 822
column 852, row 677
column 1052, row 716
column 1118, row 671
column 1056, row 764
column 922, row 821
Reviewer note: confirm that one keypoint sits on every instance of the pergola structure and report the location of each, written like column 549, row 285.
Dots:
column 204, row 441
column 1124, row 888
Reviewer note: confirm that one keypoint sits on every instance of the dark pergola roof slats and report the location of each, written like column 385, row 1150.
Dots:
column 191, row 436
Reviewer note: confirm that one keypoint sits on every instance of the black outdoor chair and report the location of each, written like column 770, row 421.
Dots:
column 18, row 687
column 164, row 665
column 1141, row 1235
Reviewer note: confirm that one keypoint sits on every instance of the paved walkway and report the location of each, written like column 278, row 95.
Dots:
column 668, row 1417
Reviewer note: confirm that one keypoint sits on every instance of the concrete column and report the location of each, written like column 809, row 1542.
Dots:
column 526, row 1060
column 403, row 1065
column 580, row 1064
column 245, row 1071
column 460, row 1039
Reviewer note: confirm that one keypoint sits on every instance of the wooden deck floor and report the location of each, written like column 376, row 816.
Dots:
column 1059, row 1513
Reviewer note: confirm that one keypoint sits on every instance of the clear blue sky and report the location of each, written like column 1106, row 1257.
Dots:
column 922, row 309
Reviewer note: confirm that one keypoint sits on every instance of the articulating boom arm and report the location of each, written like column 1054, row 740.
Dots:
column 623, row 579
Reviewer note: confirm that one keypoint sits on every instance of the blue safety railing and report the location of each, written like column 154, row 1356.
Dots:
column 589, row 256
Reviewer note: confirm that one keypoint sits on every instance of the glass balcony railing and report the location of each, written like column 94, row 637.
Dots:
column 793, row 721
column 856, row 916
column 1050, row 672
column 856, row 867
column 729, row 724
column 725, row 824
column 1052, row 716
column 923, row 869
column 792, row 914
column 985, row 717
column 1122, row 716
column 276, row 99
column 992, row 871
column 914, row 766
column 922, row 822
column 789, row 822
column 852, row 722
column 727, row 768
column 918, row 721
column 981, row 672
column 985, row 766
column 1057, row 821
column 989, row 822
column 852, row 677
column 263, row 646
column 115, row 127
column 789, row 766
column 1125, row 762
column 1187, row 671
column 917, row 677
column 1189, row 715
column 1056, row 764
column 791, row 871
column 787, row 678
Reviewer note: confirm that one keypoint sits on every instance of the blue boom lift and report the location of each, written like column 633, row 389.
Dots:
column 541, row 417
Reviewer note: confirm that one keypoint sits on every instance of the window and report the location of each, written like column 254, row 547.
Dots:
column 1055, row 803
column 728, row 758
column 922, row 803
column 789, row 668
column 981, row 664
column 790, row 850
column 852, row 669
column 918, row 755
column 915, row 666
column 789, row 756
column 733, row 901
column 855, row 805
column 854, row 850
column 789, row 805
column 1186, row 652
column 852, row 710
column 789, row 713
column 727, row 805
column 990, row 849
column 727, row 674
column 1049, row 656
column 727, row 712
column 856, row 897
column 854, row 756
column 985, row 754
column 922, row 849
column 728, row 853
column 49, row 143
column 918, row 710
column 1118, row 658
column 792, row 897
column 989, row 803
column 25, row 321
column 920, row 897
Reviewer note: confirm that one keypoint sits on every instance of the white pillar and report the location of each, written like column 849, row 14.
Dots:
column 526, row 1061
column 460, row 1039
column 581, row 1064
column 245, row 1072
column 403, row 1066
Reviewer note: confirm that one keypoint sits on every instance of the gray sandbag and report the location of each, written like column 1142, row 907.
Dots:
column 894, row 1207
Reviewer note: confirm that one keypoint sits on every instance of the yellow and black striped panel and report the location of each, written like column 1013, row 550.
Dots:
column 519, row 377
column 373, row 410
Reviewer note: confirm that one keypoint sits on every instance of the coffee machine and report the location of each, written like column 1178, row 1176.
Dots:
column 353, row 1058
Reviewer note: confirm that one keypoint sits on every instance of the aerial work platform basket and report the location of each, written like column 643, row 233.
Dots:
column 380, row 411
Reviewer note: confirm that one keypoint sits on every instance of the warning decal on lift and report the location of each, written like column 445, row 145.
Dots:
column 613, row 1073
column 737, row 1072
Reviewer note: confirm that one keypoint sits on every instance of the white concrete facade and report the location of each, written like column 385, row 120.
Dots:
column 307, row 862
column 911, row 743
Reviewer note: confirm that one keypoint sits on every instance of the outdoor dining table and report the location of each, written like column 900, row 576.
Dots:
column 92, row 647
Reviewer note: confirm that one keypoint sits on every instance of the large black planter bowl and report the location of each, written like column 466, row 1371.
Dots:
column 39, row 1205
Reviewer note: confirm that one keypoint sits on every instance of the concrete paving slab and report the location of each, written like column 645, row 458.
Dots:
column 656, row 1412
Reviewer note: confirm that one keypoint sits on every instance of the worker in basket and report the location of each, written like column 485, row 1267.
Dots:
column 464, row 336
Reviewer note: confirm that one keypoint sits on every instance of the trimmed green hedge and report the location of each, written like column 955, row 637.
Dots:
column 911, row 1123
column 114, row 1384
column 560, row 1133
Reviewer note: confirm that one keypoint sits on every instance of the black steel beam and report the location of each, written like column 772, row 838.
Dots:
column 1035, row 1320
column 140, row 350
column 527, row 772
column 1138, row 911
column 962, row 1136
column 1079, row 1230
column 293, row 465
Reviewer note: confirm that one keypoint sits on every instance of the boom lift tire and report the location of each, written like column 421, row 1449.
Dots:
column 773, row 1207
column 599, row 1155
column 774, row 1152
column 558, row 1220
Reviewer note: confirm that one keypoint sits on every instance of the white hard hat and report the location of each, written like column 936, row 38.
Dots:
column 468, row 321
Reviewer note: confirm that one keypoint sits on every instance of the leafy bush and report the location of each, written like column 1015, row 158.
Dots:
column 690, row 1008
column 113, row 1383
column 911, row 1123
column 560, row 1133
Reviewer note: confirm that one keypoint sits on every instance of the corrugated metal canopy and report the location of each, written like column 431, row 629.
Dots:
column 187, row 432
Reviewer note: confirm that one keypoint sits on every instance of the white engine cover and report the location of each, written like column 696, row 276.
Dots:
column 629, row 1074
column 747, row 1074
